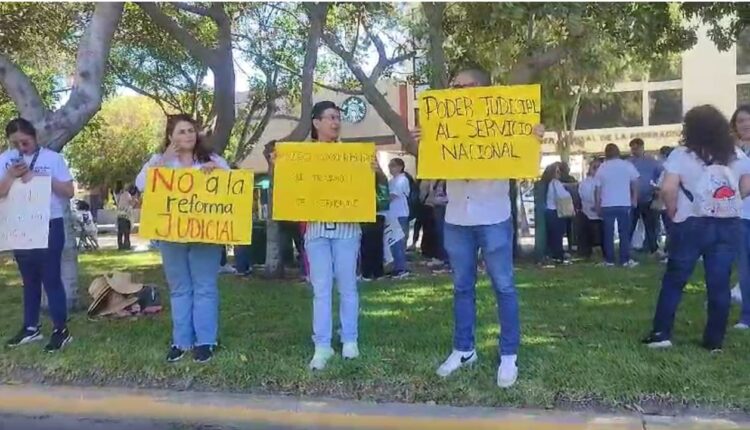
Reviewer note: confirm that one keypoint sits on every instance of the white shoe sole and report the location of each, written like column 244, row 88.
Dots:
column 468, row 363
column 660, row 345
column 27, row 341
column 507, row 384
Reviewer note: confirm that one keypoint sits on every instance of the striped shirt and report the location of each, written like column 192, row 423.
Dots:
column 332, row 230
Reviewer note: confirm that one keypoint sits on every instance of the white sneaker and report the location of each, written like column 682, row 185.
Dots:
column 455, row 361
column 741, row 326
column 507, row 372
column 350, row 351
column 320, row 358
column 631, row 264
column 434, row 262
column 227, row 269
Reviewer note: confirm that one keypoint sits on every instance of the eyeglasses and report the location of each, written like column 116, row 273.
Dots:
column 331, row 118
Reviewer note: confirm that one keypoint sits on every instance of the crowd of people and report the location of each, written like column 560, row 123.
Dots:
column 616, row 195
column 697, row 190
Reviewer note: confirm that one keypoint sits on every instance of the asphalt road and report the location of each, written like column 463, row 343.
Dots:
column 59, row 422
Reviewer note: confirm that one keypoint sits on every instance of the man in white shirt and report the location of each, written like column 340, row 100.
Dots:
column 616, row 195
column 478, row 217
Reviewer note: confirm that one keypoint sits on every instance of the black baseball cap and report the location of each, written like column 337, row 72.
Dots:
column 323, row 106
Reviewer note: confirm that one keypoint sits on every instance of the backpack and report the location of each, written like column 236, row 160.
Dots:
column 413, row 197
column 717, row 193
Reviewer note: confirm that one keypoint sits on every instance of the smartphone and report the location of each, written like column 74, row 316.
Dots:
column 16, row 160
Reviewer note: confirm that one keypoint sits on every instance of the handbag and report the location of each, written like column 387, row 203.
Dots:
column 565, row 207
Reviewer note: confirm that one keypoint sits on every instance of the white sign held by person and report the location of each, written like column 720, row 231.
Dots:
column 24, row 215
column 392, row 234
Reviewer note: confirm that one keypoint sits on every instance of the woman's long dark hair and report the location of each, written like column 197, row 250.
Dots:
column 706, row 133
column 22, row 125
column 200, row 152
column 733, row 121
column 549, row 173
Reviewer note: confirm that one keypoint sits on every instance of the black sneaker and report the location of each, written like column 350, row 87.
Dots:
column 58, row 340
column 26, row 335
column 712, row 348
column 657, row 341
column 203, row 353
column 175, row 354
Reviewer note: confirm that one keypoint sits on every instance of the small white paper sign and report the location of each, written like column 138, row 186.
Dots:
column 393, row 231
column 24, row 214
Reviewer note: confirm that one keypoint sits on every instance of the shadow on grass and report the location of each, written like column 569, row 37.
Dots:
column 580, row 331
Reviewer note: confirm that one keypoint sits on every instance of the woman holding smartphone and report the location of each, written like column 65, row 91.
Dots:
column 191, row 269
column 38, row 267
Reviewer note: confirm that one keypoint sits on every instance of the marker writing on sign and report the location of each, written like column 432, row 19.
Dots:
column 477, row 151
column 186, row 227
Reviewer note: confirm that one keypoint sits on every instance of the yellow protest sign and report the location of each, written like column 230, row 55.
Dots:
column 479, row 133
column 188, row 205
column 327, row 182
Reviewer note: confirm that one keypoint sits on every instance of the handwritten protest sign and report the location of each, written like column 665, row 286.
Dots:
column 327, row 182
column 188, row 205
column 24, row 214
column 479, row 133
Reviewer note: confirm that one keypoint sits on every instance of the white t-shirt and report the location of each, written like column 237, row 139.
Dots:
column 555, row 190
column 689, row 167
column 48, row 163
column 614, row 178
column 587, row 191
column 399, row 186
column 480, row 202
column 140, row 180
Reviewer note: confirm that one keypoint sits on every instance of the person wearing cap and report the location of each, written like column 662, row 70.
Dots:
column 478, row 218
column 332, row 250
column 39, row 267
column 191, row 269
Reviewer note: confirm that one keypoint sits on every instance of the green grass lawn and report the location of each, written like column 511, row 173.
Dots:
column 581, row 330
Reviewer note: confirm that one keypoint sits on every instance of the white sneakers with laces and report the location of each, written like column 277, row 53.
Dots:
column 320, row 358
column 350, row 351
column 455, row 361
column 507, row 372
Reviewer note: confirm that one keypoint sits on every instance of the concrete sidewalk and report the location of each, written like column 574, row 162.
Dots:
column 237, row 409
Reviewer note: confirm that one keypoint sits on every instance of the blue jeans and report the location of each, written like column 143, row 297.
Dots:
column 496, row 243
column 334, row 259
column 440, row 232
column 621, row 214
column 192, row 271
column 743, row 264
column 556, row 228
column 42, row 267
column 242, row 257
column 718, row 242
column 398, row 249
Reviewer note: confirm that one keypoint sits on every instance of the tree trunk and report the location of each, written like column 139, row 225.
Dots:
column 317, row 13
column 433, row 12
column 224, row 101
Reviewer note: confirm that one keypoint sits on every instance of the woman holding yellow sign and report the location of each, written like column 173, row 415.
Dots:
column 191, row 269
column 332, row 250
